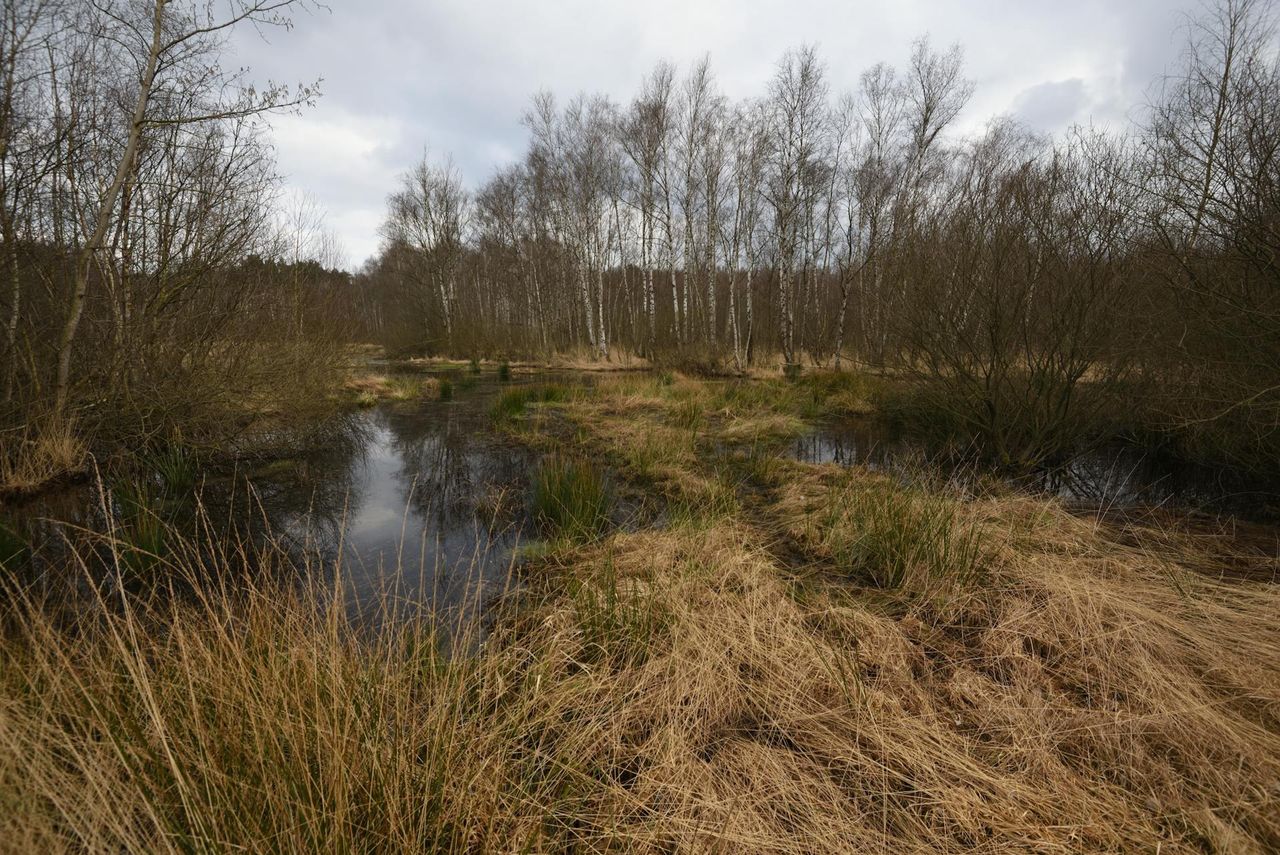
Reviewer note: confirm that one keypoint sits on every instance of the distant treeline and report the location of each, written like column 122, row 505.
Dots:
column 1030, row 291
column 1034, row 284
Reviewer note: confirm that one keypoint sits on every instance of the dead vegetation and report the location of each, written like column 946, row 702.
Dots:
column 37, row 453
column 365, row 390
column 738, row 679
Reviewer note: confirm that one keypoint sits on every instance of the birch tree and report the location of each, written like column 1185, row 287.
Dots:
column 797, row 104
column 168, row 47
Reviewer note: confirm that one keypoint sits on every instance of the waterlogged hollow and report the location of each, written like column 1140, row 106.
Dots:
column 1111, row 477
column 421, row 501
column 431, row 506
column 427, row 503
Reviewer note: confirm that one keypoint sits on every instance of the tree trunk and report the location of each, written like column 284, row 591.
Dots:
column 93, row 246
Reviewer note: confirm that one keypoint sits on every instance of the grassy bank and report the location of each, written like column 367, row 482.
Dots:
column 239, row 396
column 770, row 657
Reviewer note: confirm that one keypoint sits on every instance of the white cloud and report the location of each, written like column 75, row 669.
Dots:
column 455, row 75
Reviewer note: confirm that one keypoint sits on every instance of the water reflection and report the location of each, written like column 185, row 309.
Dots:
column 423, row 517
column 418, row 502
column 1114, row 476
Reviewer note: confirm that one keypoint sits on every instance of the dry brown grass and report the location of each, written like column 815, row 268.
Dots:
column 1077, row 694
column 667, row 691
column 42, row 451
column 676, row 690
column 368, row 389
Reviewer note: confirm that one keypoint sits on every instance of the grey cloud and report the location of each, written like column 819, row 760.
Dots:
column 1051, row 106
column 455, row 75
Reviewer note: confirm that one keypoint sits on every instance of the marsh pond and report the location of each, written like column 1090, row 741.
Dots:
column 428, row 500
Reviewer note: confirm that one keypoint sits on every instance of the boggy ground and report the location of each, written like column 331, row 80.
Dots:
column 766, row 656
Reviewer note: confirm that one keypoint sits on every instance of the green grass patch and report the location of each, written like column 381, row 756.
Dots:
column 898, row 537
column 142, row 534
column 175, row 466
column 570, row 498
column 512, row 403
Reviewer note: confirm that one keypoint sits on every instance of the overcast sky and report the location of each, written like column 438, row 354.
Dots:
column 455, row 75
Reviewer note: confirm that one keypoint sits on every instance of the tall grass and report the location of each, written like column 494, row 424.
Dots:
column 141, row 538
column 682, row 689
column 260, row 722
column 43, row 449
column 651, row 692
column 174, row 465
column 511, row 404
column 895, row 536
column 13, row 546
column 570, row 497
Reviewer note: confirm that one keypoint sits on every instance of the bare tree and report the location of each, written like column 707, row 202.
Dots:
column 797, row 101
column 431, row 215
column 1212, row 155
column 171, row 50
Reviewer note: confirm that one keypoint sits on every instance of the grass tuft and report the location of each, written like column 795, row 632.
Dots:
column 512, row 403
column 896, row 536
column 45, row 449
column 570, row 498
column 175, row 466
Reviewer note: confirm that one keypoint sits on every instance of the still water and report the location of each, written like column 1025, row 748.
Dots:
column 431, row 506
column 425, row 503
column 1112, row 477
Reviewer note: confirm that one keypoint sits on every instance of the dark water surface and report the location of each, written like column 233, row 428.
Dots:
column 425, row 502
column 1112, row 477
column 422, row 501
